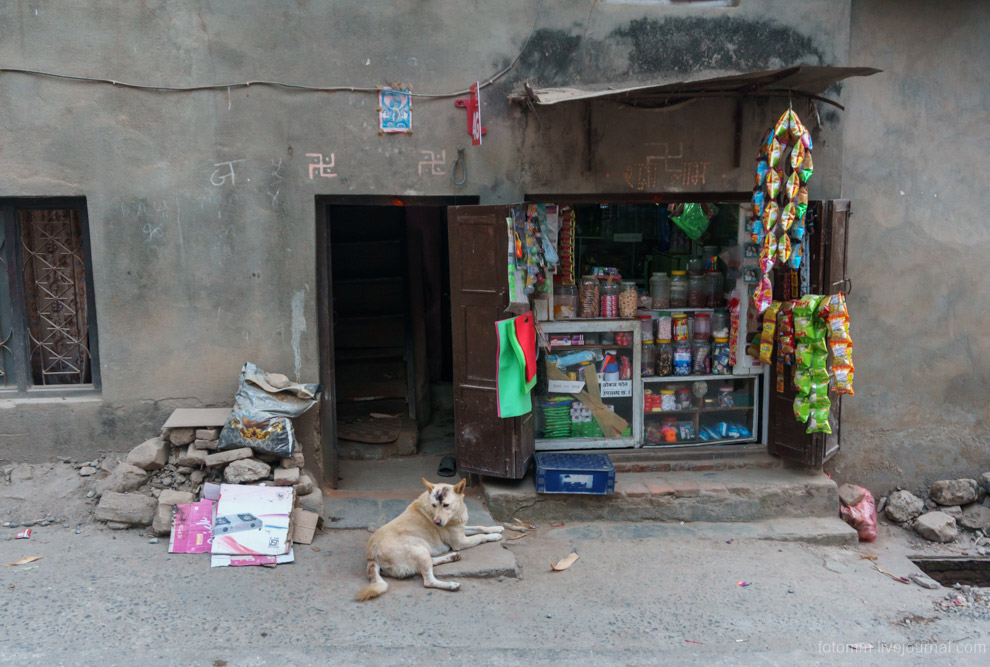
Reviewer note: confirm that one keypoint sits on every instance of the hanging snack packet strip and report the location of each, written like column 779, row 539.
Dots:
column 785, row 330
column 841, row 344
column 769, row 326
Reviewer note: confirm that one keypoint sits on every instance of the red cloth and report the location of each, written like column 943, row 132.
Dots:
column 526, row 335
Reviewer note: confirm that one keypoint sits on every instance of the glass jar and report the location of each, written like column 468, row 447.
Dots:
column 696, row 291
column 702, row 326
column 627, row 299
column 725, row 398
column 682, row 357
column 665, row 358
column 680, row 327
column 685, row 399
column 668, row 402
column 720, row 357
column 678, row 289
column 665, row 328
column 646, row 327
column 701, row 354
column 713, row 289
column 565, row 302
column 609, row 299
column 695, row 266
column 589, row 295
column 648, row 360
column 660, row 290
column 720, row 324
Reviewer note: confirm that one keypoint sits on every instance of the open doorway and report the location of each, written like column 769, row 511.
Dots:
column 386, row 353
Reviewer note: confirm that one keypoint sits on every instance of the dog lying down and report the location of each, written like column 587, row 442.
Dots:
column 420, row 537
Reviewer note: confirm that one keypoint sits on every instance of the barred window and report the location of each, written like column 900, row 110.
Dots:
column 47, row 317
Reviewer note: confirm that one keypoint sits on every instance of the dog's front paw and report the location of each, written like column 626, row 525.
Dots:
column 493, row 537
column 497, row 529
column 454, row 586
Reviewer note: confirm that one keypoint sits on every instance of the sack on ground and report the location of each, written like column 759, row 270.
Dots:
column 862, row 516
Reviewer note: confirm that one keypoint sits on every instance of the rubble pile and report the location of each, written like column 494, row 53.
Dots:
column 172, row 469
column 954, row 507
column 968, row 601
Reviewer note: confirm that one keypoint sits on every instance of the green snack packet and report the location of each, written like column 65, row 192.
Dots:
column 818, row 397
column 818, row 376
column 802, row 380
column 802, row 409
column 819, row 361
column 803, row 355
column 818, row 421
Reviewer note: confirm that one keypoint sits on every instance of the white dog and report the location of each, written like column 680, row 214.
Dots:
column 420, row 538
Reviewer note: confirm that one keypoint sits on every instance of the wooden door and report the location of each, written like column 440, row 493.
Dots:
column 826, row 227
column 479, row 295
column 324, row 315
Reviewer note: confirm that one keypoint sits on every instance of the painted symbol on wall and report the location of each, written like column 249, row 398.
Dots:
column 223, row 172
column 395, row 110
column 433, row 162
column 322, row 166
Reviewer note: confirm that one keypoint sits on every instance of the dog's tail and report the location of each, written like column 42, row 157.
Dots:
column 377, row 587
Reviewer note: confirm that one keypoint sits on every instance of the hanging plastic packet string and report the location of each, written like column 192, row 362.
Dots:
column 733, row 328
column 769, row 326
column 785, row 331
column 840, row 344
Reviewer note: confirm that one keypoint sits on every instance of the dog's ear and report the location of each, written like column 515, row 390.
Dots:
column 459, row 487
column 427, row 484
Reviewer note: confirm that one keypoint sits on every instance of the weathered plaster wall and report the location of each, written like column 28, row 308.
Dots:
column 201, row 204
column 916, row 136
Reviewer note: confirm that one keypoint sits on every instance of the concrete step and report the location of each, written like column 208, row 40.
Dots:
column 719, row 496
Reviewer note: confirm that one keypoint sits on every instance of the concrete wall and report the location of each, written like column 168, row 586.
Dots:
column 916, row 137
column 198, row 269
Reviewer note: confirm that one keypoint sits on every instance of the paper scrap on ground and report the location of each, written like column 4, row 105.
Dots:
column 25, row 561
column 192, row 529
column 564, row 562
column 225, row 560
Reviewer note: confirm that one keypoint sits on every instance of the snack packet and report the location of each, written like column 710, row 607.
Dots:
column 782, row 130
column 784, row 248
column 842, row 353
column 818, row 421
column 769, row 326
column 764, row 151
column 843, row 379
column 768, row 253
column 802, row 409
column 802, row 381
column 803, row 355
column 758, row 200
column 771, row 213
column 773, row 182
column 793, row 185
column 807, row 167
column 776, row 151
column 798, row 156
column 787, row 215
column 763, row 294
column 785, row 329
column 797, row 254
column 762, row 168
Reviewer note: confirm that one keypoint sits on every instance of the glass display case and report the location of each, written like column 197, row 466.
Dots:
column 593, row 393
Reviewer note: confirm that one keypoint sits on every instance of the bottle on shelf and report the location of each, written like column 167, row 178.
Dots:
column 678, row 289
column 660, row 290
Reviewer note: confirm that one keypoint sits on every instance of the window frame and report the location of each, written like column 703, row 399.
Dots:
column 20, row 381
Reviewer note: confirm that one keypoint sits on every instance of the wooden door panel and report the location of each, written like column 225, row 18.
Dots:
column 481, row 351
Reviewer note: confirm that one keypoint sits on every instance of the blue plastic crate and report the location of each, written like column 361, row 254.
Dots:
column 574, row 473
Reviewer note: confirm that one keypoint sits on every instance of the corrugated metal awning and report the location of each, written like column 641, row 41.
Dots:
column 802, row 81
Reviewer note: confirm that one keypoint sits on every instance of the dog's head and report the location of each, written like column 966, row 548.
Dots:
column 443, row 501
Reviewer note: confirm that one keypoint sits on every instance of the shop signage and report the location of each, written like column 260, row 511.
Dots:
column 616, row 389
column 474, row 109
column 565, row 386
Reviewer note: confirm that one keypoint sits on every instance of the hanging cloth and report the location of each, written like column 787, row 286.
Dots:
column 515, row 358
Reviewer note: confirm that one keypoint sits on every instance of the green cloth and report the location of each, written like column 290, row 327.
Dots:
column 510, row 379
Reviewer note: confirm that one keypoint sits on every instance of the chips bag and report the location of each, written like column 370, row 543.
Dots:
column 773, row 183
column 771, row 213
column 782, row 130
column 785, row 329
column 793, row 185
column 843, row 379
column 784, row 248
column 776, row 152
column 802, row 409
column 842, row 353
column 807, row 167
column 818, row 421
column 768, row 253
column 769, row 326
column 797, row 254
column 763, row 294
column 787, row 216
column 797, row 156
column 762, row 168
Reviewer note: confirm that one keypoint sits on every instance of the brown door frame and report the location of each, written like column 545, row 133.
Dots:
column 324, row 313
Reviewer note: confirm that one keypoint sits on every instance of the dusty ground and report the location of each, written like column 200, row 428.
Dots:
column 111, row 598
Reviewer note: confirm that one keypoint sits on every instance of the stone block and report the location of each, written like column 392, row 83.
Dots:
column 229, row 456
column 985, row 481
column 207, row 433
column 87, row 471
column 903, row 506
column 197, row 476
column 150, row 455
column 304, row 485
column 204, row 444
column 286, row 476
column 936, row 526
column 125, row 477
column 296, row 461
column 172, row 497
column 312, row 502
column 954, row 491
column 975, row 517
column 850, row 494
column 181, row 436
column 132, row 509
column 161, row 524
column 194, row 458
column 246, row 470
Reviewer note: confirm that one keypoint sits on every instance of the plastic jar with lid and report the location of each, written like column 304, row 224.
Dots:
column 665, row 327
column 678, row 289
column 720, row 324
column 646, row 327
column 628, row 296
column 660, row 290
column 668, row 402
column 609, row 299
column 565, row 302
column 695, row 266
column 725, row 398
column 679, row 326
column 588, row 296
column 702, row 326
column 720, row 357
column 696, row 291
column 701, row 354
column 682, row 357
column 648, row 360
column 665, row 358
column 713, row 289
column 685, row 399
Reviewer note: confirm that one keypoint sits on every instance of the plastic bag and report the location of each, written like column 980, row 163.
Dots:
column 693, row 220
column 263, row 406
column 862, row 516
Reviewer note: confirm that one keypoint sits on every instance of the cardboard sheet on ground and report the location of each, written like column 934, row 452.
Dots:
column 197, row 417
column 192, row 528
column 225, row 560
column 252, row 520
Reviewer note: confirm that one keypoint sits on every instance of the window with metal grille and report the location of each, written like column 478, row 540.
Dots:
column 47, row 316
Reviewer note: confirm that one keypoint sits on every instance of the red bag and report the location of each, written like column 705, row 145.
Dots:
column 862, row 516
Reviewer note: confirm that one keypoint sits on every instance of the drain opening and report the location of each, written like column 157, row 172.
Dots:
column 961, row 570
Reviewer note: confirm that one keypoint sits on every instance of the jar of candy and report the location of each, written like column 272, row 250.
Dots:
column 660, row 290
column 701, row 355
column 685, row 399
column 589, row 296
column 678, row 289
column 565, row 302
column 680, row 327
column 668, row 401
column 665, row 358
column 720, row 324
column 725, row 397
column 609, row 299
column 702, row 326
column 720, row 357
column 623, row 338
column 713, row 289
column 665, row 328
column 648, row 360
column 696, row 291
column 627, row 298
column 646, row 327
column 682, row 357
column 695, row 266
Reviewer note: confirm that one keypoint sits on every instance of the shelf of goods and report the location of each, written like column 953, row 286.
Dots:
column 700, row 409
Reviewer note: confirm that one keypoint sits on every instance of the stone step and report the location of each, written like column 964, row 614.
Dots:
column 733, row 495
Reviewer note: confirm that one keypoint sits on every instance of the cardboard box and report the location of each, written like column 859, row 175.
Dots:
column 266, row 533
column 304, row 525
